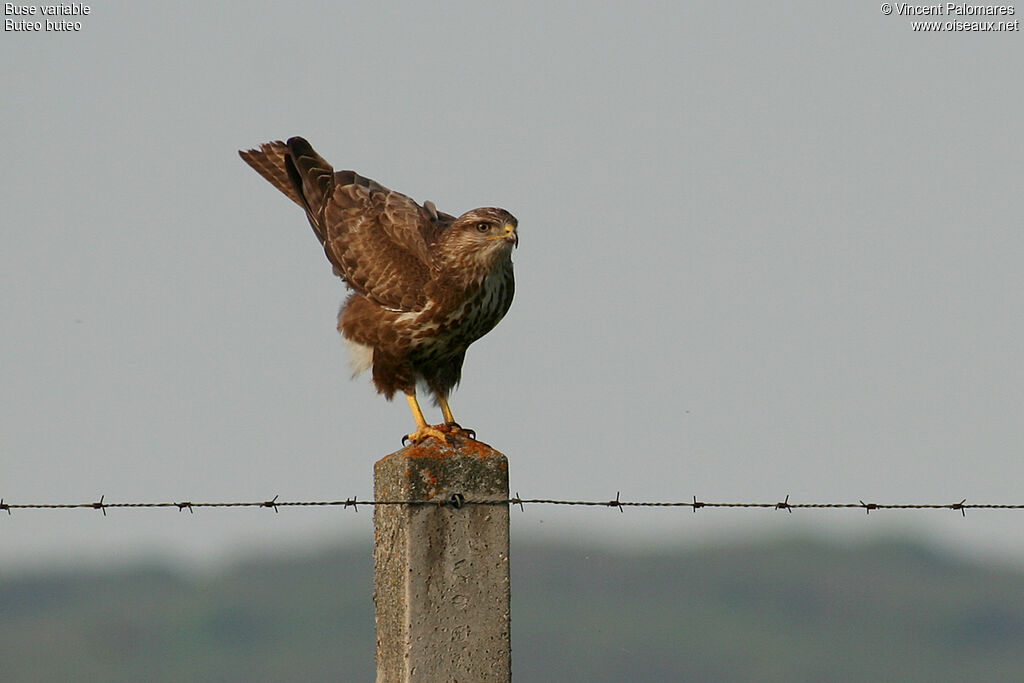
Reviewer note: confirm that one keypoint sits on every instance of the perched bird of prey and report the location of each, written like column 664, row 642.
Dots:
column 425, row 284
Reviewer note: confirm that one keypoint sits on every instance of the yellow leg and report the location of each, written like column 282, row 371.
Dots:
column 449, row 420
column 423, row 430
column 445, row 409
column 414, row 405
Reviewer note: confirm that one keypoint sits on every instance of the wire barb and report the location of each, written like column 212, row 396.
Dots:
column 784, row 505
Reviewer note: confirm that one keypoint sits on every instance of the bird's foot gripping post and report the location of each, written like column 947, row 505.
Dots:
column 458, row 430
column 441, row 581
column 449, row 433
column 441, row 432
column 449, row 420
column 425, row 432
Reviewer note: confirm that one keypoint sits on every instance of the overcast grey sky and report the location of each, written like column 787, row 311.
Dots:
column 765, row 249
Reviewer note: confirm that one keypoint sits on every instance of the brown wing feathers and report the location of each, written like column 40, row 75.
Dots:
column 313, row 176
column 362, row 239
column 376, row 239
column 268, row 161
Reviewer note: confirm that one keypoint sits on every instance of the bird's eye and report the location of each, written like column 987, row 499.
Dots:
column 483, row 227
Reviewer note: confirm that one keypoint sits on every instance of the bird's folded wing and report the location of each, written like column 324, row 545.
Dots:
column 379, row 241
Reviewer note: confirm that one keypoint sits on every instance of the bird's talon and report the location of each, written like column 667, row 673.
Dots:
column 425, row 432
column 456, row 428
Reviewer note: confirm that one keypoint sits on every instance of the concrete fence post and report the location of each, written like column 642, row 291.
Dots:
column 441, row 571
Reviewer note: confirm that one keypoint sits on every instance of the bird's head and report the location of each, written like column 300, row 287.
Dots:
column 484, row 236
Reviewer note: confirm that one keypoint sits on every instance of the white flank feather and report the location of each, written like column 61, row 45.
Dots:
column 360, row 356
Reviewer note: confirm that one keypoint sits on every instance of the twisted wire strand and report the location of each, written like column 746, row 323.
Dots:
column 457, row 500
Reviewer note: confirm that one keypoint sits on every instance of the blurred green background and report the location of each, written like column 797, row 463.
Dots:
column 792, row 610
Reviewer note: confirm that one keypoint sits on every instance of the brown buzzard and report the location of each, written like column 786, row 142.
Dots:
column 425, row 284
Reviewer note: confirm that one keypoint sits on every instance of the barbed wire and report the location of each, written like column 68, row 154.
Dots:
column 458, row 500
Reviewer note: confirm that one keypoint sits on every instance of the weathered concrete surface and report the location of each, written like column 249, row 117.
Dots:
column 441, row 583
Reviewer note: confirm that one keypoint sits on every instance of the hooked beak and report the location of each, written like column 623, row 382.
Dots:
column 511, row 234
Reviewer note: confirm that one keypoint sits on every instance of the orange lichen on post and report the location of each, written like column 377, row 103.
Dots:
column 431, row 467
column 455, row 443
